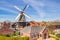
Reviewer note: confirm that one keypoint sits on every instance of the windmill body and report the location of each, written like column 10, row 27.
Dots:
column 22, row 18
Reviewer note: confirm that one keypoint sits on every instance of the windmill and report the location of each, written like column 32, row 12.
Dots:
column 22, row 15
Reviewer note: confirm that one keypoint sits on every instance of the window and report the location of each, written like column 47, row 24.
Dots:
column 0, row 27
column 40, row 35
column 33, row 35
column 58, row 27
column 45, row 36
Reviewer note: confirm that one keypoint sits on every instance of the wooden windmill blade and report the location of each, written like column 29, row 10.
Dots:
column 18, row 16
column 25, row 7
column 17, row 8
column 27, row 15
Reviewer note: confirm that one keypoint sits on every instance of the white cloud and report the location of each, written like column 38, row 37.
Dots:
column 1, row 8
column 7, row 17
column 37, row 6
column 49, row 6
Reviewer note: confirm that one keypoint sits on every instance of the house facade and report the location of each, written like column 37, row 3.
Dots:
column 34, row 32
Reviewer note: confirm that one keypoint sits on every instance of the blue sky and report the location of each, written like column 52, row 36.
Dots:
column 39, row 10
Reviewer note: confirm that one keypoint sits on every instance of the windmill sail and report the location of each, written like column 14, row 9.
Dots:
column 17, row 8
column 17, row 16
column 27, row 15
column 25, row 7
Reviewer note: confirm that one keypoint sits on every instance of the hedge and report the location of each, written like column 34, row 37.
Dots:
column 58, row 37
column 13, row 38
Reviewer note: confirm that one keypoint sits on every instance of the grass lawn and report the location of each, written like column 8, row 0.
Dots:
column 13, row 38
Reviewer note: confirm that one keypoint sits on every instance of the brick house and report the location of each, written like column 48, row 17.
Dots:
column 34, row 32
column 5, row 28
